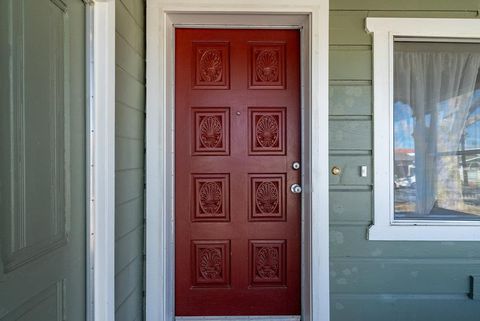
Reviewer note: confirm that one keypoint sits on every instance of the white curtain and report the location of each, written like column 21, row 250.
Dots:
column 439, row 86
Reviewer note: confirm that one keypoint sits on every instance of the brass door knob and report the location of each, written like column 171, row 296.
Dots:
column 336, row 170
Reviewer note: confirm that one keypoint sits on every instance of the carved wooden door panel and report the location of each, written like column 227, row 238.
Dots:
column 237, row 135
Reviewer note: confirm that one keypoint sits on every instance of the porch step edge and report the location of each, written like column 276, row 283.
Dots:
column 241, row 318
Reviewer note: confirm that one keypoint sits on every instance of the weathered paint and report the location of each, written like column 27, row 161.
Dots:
column 375, row 280
column 129, row 158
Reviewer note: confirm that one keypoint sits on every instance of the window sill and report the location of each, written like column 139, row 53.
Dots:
column 416, row 232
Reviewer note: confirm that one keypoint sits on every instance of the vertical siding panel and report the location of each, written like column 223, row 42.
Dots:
column 129, row 159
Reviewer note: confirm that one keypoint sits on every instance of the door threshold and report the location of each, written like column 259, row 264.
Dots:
column 242, row 318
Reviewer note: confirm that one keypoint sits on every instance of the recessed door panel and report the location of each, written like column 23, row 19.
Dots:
column 42, row 160
column 237, row 224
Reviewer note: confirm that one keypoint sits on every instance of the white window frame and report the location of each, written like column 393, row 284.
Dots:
column 384, row 226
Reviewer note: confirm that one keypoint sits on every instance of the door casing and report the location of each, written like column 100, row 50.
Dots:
column 100, row 159
column 160, row 173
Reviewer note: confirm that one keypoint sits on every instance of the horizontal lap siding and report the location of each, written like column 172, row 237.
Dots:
column 129, row 159
column 407, row 307
column 375, row 280
column 411, row 5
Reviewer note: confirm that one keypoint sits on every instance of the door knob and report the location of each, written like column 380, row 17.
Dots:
column 336, row 170
column 296, row 189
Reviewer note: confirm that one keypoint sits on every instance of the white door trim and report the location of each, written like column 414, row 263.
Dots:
column 100, row 63
column 161, row 21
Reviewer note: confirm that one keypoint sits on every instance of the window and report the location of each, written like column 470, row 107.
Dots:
column 426, row 129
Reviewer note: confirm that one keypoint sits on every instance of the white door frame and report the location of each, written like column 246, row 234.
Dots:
column 162, row 18
column 100, row 159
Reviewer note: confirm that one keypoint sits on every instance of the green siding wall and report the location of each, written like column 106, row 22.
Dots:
column 375, row 280
column 129, row 159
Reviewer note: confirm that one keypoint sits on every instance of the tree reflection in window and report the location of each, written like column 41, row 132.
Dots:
column 437, row 132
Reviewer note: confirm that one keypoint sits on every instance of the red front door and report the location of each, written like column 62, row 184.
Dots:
column 237, row 134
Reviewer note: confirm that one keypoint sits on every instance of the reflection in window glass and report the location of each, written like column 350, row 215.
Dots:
column 437, row 131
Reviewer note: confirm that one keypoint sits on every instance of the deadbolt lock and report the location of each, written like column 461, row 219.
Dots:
column 296, row 165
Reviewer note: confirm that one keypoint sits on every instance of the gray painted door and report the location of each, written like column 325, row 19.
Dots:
column 42, row 160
